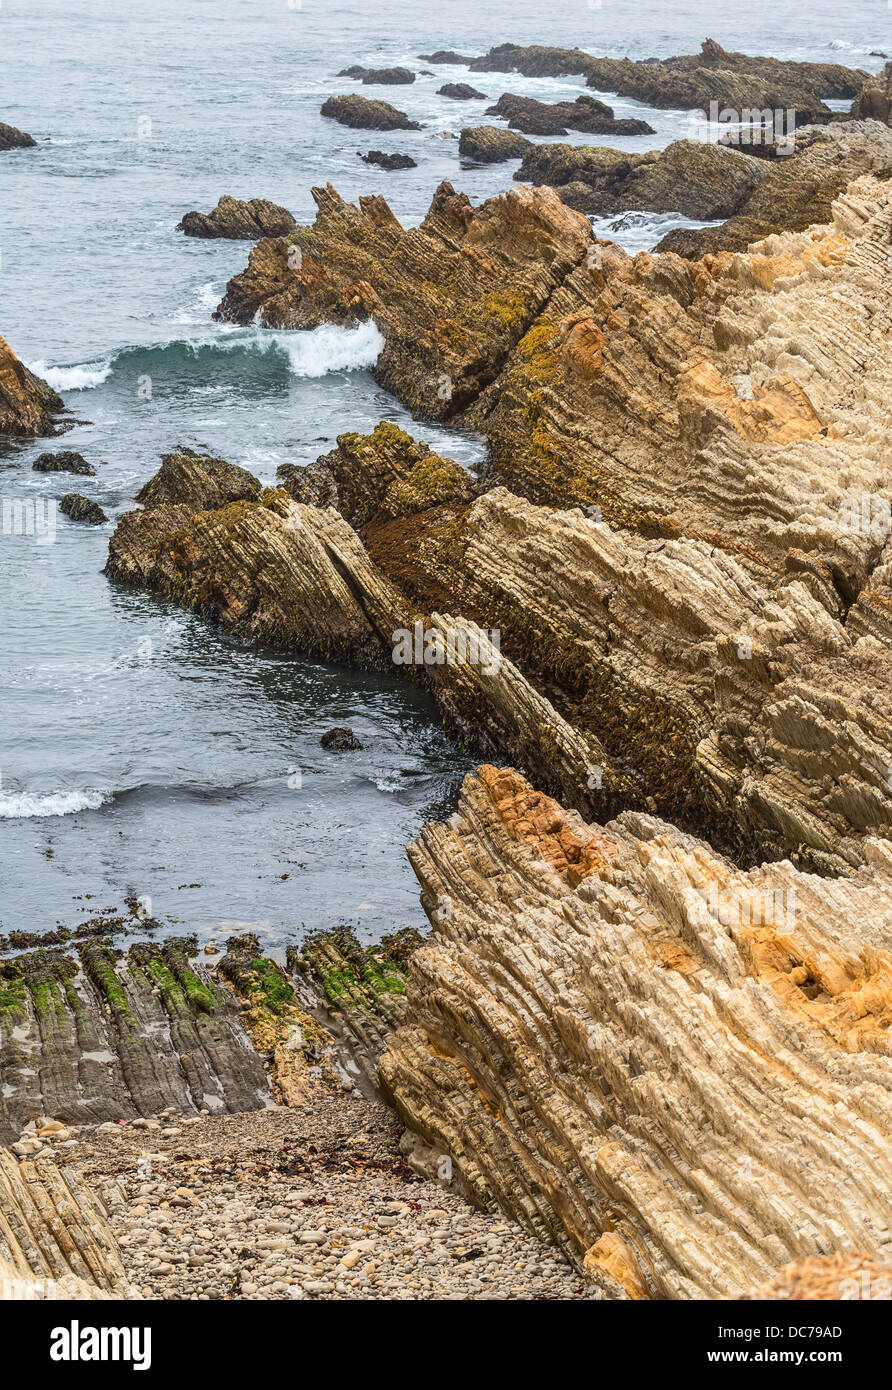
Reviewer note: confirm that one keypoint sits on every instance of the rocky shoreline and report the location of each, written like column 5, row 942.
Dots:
column 644, row 1052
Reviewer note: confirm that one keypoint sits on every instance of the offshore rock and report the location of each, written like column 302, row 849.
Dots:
column 239, row 221
column 66, row 461
column 451, row 296
column 460, row 91
column 585, row 113
column 491, row 144
column 388, row 161
column 12, row 139
column 677, row 1071
column 27, row 404
column 340, row 740
column 379, row 76
column 700, row 180
column 364, row 114
column 80, row 508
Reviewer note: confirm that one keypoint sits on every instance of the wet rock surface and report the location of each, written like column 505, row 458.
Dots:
column 80, row 508
column 585, row 113
column 460, row 91
column 491, row 144
column 364, row 114
column 28, row 406
column 379, row 76
column 340, row 740
column 13, row 139
column 239, row 221
column 388, row 161
column 66, row 461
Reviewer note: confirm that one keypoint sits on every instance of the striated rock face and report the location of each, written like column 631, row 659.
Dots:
column 55, row 1240
column 691, row 82
column 364, row 114
column 875, row 100
column 585, row 113
column 379, row 76
column 828, row 1277
column 451, row 296
column 700, row 180
column 490, row 144
column 460, row 91
column 239, row 221
column 798, row 190
column 104, row 1037
column 677, row 1071
column 27, row 404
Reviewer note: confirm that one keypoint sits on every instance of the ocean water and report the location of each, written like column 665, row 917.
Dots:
column 142, row 754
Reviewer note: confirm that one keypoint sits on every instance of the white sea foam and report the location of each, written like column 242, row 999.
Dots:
column 317, row 351
column 25, row 805
column 82, row 377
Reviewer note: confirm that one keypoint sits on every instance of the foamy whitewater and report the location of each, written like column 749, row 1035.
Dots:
column 141, row 752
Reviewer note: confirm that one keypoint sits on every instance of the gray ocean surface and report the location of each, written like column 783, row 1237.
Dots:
column 142, row 753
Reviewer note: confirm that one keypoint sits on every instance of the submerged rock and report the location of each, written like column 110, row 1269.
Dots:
column 12, row 139
column 340, row 740
column 27, row 404
column 647, row 1056
column 80, row 508
column 364, row 114
column 379, row 76
column 585, row 113
column 239, row 221
column 388, row 161
column 491, row 144
column 65, row 461
column 460, row 91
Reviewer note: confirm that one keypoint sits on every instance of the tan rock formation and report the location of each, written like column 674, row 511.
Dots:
column 27, row 403
column 678, row 1071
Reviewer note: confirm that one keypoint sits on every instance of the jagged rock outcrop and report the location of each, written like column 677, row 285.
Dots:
column 491, row 144
column 388, row 161
column 677, row 1071
column 445, row 55
column 363, row 114
column 388, row 77
column 239, row 221
column 79, row 508
column 13, row 139
column 460, row 91
column 55, row 1240
column 875, row 100
column 690, row 82
column 701, row 180
column 103, row 1036
column 451, row 296
column 64, row 461
column 585, row 113
column 28, row 406
column 798, row 189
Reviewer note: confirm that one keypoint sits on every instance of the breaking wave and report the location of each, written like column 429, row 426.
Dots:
column 25, row 805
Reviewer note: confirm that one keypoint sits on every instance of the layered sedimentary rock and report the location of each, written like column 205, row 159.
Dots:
column 13, row 139
column 55, row 1240
column 27, row 404
column 799, row 189
column 239, row 221
column 451, row 296
column 701, row 180
column 677, row 1071
column 102, row 1036
column 585, row 113
column 835, row 1278
column 363, row 114
column 875, row 100
column 693, row 81
column 490, row 144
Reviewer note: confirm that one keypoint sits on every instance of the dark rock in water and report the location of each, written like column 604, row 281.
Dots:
column 392, row 77
column 239, row 221
column 80, row 508
column 490, row 144
column 340, row 740
column 460, row 91
column 585, row 113
column 12, row 139
column 363, row 114
column 66, row 461
column 388, row 161
column 446, row 55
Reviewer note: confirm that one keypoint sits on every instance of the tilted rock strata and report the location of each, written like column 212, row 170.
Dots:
column 491, row 144
column 105, row 1037
column 239, row 221
column 55, row 1240
column 875, row 100
column 677, row 1071
column 451, row 296
column 27, row 404
column 837, row 1278
column 585, row 113
column 799, row 189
